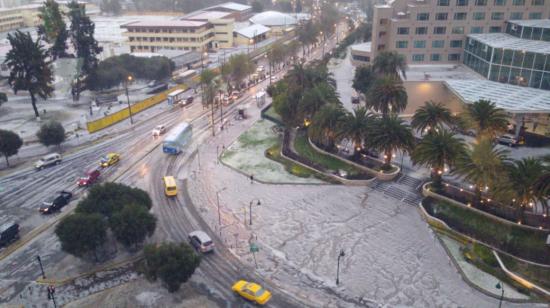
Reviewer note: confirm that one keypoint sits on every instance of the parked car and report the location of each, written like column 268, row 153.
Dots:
column 201, row 241
column 55, row 203
column 109, row 159
column 251, row 291
column 189, row 100
column 89, row 177
column 9, row 232
column 159, row 130
column 48, row 160
column 508, row 140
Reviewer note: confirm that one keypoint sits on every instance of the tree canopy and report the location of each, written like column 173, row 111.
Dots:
column 82, row 36
column 109, row 198
column 51, row 133
column 53, row 29
column 132, row 224
column 10, row 143
column 82, row 233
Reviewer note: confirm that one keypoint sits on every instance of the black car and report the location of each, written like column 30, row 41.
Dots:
column 55, row 203
column 9, row 232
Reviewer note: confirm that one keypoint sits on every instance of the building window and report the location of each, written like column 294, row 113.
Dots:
column 500, row 2
column 461, row 2
column 518, row 2
column 476, row 30
column 438, row 44
column 383, row 21
column 419, row 44
column 401, row 44
column 479, row 15
column 460, row 16
column 497, row 16
column 455, row 43
column 421, row 30
column 481, row 2
column 402, row 31
column 458, row 30
column 441, row 16
column 537, row 2
column 440, row 30
column 418, row 58
column 423, row 16
column 536, row 15
column 516, row 15
column 494, row 30
column 443, row 2
column 435, row 57
column 454, row 57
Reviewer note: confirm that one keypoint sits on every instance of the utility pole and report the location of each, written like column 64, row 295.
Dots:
column 341, row 254
column 41, row 268
column 129, row 79
column 250, row 209
column 219, row 212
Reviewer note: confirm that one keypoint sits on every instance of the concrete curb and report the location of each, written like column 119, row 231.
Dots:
column 520, row 279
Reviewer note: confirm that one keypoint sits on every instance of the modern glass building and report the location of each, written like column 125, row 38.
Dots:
column 521, row 56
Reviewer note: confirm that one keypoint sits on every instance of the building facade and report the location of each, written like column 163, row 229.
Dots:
column 361, row 54
column 19, row 17
column 435, row 31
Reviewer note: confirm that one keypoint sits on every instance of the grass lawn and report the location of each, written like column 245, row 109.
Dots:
column 303, row 148
column 524, row 243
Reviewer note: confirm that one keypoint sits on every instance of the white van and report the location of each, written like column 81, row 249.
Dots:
column 48, row 160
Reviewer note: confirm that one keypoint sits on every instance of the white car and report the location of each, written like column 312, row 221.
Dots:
column 159, row 130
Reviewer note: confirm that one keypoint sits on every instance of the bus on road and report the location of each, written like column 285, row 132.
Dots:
column 182, row 77
column 177, row 139
column 176, row 97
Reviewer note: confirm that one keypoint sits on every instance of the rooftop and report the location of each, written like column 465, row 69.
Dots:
column 440, row 72
column 514, row 99
column 506, row 41
column 166, row 23
column 253, row 30
column 206, row 15
column 273, row 18
column 537, row 23
column 364, row 47
column 233, row 6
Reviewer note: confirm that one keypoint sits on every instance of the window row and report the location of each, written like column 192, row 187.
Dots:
column 478, row 16
column 443, row 30
column 422, row 44
column 485, row 2
column 435, row 57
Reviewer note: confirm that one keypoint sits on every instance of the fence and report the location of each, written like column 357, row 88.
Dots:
column 99, row 124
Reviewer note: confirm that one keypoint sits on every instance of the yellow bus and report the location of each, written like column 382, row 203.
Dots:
column 170, row 188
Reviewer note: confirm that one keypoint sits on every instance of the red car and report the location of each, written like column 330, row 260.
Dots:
column 89, row 177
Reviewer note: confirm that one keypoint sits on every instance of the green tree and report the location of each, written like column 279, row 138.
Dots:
column 257, row 6
column 485, row 118
column 355, row 127
column 29, row 69
column 53, row 29
column 276, row 54
column 51, row 133
column 389, row 134
column 298, row 7
column 521, row 183
column 82, row 36
column 386, row 95
column 307, row 35
column 431, row 116
column 482, row 165
column 173, row 263
column 314, row 98
column 542, row 189
column 363, row 79
column 390, row 63
column 438, row 150
column 10, row 143
column 241, row 66
column 109, row 198
column 325, row 123
column 329, row 17
column 81, row 234
column 209, row 86
column 132, row 225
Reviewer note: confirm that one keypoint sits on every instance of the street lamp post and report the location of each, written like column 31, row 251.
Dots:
column 341, row 254
column 219, row 213
column 129, row 79
column 499, row 286
column 250, row 209
column 41, row 268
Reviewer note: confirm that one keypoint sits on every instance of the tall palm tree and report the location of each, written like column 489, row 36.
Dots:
column 386, row 95
column 430, row 116
column 390, row 63
column 29, row 69
column 487, row 119
column 522, row 181
column 482, row 165
column 355, row 126
column 325, row 123
column 313, row 99
column 389, row 134
column 296, row 76
column 437, row 150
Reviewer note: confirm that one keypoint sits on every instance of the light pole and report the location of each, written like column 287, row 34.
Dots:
column 41, row 268
column 250, row 42
column 250, row 209
column 341, row 254
column 129, row 79
column 219, row 213
column 499, row 286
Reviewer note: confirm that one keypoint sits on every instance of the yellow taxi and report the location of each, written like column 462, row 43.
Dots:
column 170, row 187
column 109, row 159
column 252, row 291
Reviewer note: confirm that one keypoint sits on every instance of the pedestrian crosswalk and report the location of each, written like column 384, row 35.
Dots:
column 404, row 189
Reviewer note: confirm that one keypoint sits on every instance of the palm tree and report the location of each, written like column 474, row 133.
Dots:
column 482, row 165
column 29, row 70
column 436, row 151
column 325, row 123
column 313, row 99
column 486, row 118
column 355, row 126
column 390, row 63
column 389, row 134
column 430, row 116
column 386, row 95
